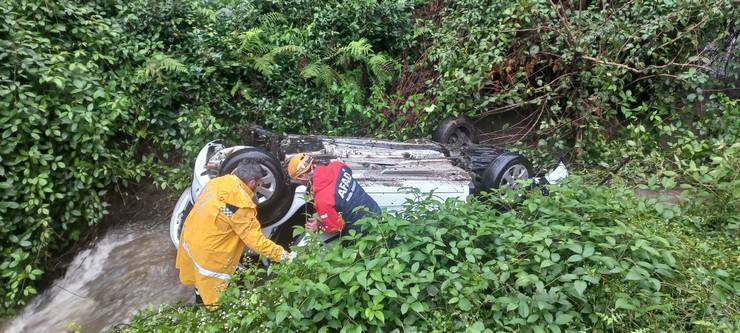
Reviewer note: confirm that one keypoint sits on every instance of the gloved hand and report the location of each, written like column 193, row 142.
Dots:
column 288, row 256
column 312, row 225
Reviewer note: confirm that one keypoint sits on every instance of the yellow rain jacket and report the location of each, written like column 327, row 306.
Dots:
column 222, row 220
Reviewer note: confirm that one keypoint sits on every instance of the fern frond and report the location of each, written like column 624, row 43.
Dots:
column 355, row 50
column 360, row 48
column 295, row 36
column 319, row 72
column 342, row 58
column 263, row 64
column 250, row 35
column 173, row 65
column 159, row 63
column 207, row 13
column 251, row 41
column 272, row 18
column 380, row 65
column 310, row 71
column 286, row 50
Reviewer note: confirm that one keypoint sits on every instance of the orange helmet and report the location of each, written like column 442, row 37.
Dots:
column 299, row 166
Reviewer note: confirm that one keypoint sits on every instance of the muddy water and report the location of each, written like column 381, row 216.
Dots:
column 130, row 268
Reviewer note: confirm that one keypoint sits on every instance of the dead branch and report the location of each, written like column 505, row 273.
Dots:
column 643, row 70
column 509, row 107
column 681, row 33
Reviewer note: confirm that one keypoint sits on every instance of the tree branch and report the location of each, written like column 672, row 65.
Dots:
column 643, row 70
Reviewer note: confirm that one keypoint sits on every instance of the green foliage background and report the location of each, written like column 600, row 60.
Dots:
column 96, row 94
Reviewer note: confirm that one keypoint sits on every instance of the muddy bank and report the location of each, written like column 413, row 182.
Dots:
column 128, row 265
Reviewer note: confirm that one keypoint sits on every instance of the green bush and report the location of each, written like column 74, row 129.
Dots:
column 582, row 259
column 60, row 111
column 702, row 160
column 572, row 74
column 288, row 65
column 712, row 190
column 696, row 155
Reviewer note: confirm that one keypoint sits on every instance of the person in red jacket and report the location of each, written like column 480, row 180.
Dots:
column 339, row 200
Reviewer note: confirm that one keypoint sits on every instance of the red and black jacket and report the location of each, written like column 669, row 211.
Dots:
column 336, row 194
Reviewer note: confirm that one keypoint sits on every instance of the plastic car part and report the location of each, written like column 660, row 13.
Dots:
column 558, row 174
column 505, row 170
column 256, row 136
column 201, row 174
column 456, row 131
column 179, row 213
column 272, row 199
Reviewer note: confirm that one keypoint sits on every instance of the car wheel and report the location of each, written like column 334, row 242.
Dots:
column 456, row 131
column 273, row 199
column 505, row 170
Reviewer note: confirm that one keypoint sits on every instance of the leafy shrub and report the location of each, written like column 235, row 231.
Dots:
column 694, row 154
column 569, row 74
column 288, row 65
column 582, row 259
column 704, row 163
column 713, row 190
column 59, row 116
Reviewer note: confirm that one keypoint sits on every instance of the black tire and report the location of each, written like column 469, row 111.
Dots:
column 273, row 208
column 505, row 168
column 456, row 131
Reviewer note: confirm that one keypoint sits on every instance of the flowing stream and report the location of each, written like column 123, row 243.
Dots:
column 130, row 268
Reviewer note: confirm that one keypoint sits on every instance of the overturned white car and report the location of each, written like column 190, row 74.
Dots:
column 455, row 168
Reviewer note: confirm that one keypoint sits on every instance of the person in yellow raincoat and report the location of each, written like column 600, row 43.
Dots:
column 223, row 219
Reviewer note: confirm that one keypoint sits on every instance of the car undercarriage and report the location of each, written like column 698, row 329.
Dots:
column 387, row 170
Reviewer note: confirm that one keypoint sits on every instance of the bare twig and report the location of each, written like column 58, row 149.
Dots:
column 566, row 24
column 604, row 62
column 543, row 27
column 508, row 107
column 722, row 89
column 620, row 10
column 542, row 111
column 611, row 174
column 643, row 70
column 681, row 33
column 651, row 76
column 69, row 291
